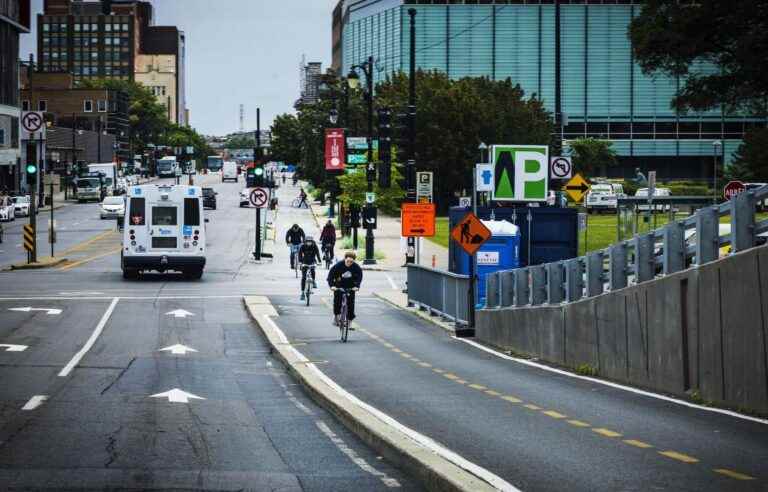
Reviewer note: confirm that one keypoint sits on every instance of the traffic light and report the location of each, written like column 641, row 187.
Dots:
column 385, row 147
column 400, row 137
column 255, row 177
column 31, row 174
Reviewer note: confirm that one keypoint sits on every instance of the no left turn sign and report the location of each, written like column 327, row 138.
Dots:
column 561, row 168
column 259, row 197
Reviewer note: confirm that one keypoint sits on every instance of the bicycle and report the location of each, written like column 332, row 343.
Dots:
column 309, row 284
column 344, row 321
column 294, row 258
column 299, row 203
column 328, row 255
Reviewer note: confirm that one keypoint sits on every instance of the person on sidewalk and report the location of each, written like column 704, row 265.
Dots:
column 303, row 199
column 294, row 238
column 346, row 275
column 328, row 238
column 309, row 255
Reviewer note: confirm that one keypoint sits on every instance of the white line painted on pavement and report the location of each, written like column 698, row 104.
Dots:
column 352, row 455
column 421, row 439
column 94, row 336
column 612, row 385
column 297, row 403
column 34, row 402
column 391, row 282
column 124, row 298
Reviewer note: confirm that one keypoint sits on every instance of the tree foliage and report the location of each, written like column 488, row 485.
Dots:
column 591, row 156
column 751, row 159
column 355, row 186
column 286, row 139
column 682, row 39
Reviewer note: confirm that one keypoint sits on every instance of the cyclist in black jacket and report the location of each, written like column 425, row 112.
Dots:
column 294, row 238
column 347, row 275
column 309, row 254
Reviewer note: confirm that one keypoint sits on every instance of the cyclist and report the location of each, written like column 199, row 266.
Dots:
column 303, row 198
column 328, row 238
column 308, row 253
column 293, row 238
column 295, row 179
column 347, row 275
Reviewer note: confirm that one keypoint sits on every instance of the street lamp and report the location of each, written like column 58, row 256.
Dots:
column 333, row 116
column 482, row 148
column 353, row 80
column 715, row 151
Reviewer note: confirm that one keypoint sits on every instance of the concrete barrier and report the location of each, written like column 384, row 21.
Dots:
column 701, row 331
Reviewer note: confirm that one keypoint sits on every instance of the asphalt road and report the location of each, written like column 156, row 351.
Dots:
column 90, row 400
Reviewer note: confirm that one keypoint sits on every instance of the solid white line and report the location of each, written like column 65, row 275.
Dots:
column 612, row 385
column 352, row 455
column 421, row 439
column 124, row 298
column 391, row 282
column 95, row 335
column 34, row 402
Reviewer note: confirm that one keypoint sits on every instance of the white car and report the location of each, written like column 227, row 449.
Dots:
column 113, row 207
column 21, row 206
column 603, row 196
column 7, row 212
column 245, row 198
column 657, row 193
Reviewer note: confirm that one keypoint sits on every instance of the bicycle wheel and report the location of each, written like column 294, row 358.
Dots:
column 308, row 291
column 344, row 320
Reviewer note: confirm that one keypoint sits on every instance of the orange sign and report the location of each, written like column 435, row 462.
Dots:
column 470, row 233
column 418, row 219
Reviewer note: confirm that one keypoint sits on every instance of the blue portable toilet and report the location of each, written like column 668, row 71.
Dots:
column 500, row 252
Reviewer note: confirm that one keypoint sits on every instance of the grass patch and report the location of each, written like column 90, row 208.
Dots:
column 346, row 245
column 442, row 234
column 586, row 370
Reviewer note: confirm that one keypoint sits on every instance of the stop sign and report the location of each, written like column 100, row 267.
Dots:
column 733, row 188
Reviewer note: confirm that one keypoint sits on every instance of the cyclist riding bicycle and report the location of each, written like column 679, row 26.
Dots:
column 346, row 275
column 294, row 238
column 308, row 253
column 328, row 238
column 303, row 199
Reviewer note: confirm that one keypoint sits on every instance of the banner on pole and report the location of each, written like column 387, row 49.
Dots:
column 334, row 149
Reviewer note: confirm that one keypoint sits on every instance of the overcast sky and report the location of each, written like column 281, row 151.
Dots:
column 240, row 52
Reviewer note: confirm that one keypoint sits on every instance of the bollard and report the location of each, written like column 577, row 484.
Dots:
column 434, row 261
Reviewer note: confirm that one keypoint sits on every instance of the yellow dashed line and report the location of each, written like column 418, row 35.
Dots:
column 732, row 474
column 425, row 364
column 461, row 381
column 511, row 399
column 388, row 345
column 577, row 423
column 554, row 415
column 638, row 444
column 406, row 356
column 606, row 432
column 478, row 387
column 439, row 371
column 531, row 406
column 492, row 393
column 397, row 351
column 679, row 456
column 414, row 359
column 451, row 376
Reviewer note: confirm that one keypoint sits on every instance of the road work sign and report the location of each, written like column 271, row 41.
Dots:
column 520, row 173
column 470, row 233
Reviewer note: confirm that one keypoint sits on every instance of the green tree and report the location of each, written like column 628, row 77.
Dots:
column 592, row 156
column 355, row 186
column 679, row 38
column 241, row 142
column 751, row 159
column 184, row 136
column 286, row 139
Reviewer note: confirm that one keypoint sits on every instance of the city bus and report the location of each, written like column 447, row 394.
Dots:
column 215, row 163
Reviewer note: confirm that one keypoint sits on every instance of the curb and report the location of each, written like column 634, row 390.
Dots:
column 445, row 325
column 38, row 265
column 433, row 471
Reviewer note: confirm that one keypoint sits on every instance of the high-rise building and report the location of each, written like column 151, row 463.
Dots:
column 574, row 55
column 14, row 20
column 310, row 82
column 161, row 66
column 92, row 39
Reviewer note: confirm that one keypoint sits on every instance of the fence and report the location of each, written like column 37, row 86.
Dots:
column 442, row 293
column 675, row 247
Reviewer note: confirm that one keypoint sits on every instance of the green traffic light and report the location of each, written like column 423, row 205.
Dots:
column 31, row 168
column 259, row 171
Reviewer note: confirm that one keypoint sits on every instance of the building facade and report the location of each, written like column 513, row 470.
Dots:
column 574, row 55
column 14, row 20
column 161, row 67
column 310, row 82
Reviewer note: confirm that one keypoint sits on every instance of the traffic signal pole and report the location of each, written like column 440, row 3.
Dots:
column 257, row 163
column 410, row 166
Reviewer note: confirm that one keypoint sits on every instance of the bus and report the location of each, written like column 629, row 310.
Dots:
column 215, row 163
column 167, row 167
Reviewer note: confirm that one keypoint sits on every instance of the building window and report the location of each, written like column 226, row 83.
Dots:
column 102, row 106
column 46, row 27
column 42, row 105
column 2, row 137
column 88, row 105
column 25, row 105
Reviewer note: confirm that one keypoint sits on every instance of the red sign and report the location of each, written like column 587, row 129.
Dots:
column 733, row 188
column 418, row 219
column 335, row 156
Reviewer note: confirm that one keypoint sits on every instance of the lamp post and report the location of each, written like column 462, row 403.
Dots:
column 715, row 151
column 353, row 79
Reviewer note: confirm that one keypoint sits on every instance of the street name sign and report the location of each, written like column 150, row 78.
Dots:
column 418, row 219
column 470, row 233
column 576, row 188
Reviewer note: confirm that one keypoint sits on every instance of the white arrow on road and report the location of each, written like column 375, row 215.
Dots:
column 179, row 313
column 49, row 311
column 13, row 348
column 177, row 349
column 177, row 396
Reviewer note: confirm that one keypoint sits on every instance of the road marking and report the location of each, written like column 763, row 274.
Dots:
column 179, row 313
column 606, row 432
column 177, row 396
column 733, row 474
column 34, row 402
column 298, row 404
column 439, row 371
column 638, row 444
column 352, row 455
column 461, row 381
column 388, row 345
column 88, row 260
column 124, row 298
column 479, row 387
column 178, row 349
column 554, row 415
column 531, row 406
column 679, row 456
column 396, row 350
column 13, row 348
column 91, row 341
column 511, row 399
column 421, row 439
column 425, row 364
column 636, row 391
column 406, row 355
column 492, row 393
column 391, row 282
column 49, row 312
column 577, row 423
column 450, row 376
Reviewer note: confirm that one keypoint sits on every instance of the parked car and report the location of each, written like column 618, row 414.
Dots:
column 658, row 192
column 604, row 196
column 21, row 206
column 113, row 207
column 7, row 212
column 209, row 198
column 245, row 198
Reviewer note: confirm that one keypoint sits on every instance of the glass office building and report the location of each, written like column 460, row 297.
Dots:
column 575, row 55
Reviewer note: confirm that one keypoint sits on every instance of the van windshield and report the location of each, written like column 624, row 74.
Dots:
column 164, row 216
column 88, row 183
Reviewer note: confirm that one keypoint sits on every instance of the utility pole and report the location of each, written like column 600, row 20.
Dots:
column 410, row 166
column 371, row 174
column 256, row 162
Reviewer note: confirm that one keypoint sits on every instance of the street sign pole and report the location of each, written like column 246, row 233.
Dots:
column 33, row 214
column 472, row 261
column 257, row 249
column 52, row 229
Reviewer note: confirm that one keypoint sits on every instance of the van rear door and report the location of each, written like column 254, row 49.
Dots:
column 164, row 229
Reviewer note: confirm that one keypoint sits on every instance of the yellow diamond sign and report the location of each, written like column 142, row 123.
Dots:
column 576, row 188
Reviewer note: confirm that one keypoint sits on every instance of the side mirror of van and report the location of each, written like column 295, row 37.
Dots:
column 207, row 220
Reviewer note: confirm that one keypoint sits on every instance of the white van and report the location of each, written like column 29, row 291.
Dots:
column 229, row 171
column 603, row 196
column 167, row 167
column 164, row 230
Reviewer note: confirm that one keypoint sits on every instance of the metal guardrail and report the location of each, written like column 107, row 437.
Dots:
column 675, row 247
column 439, row 292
